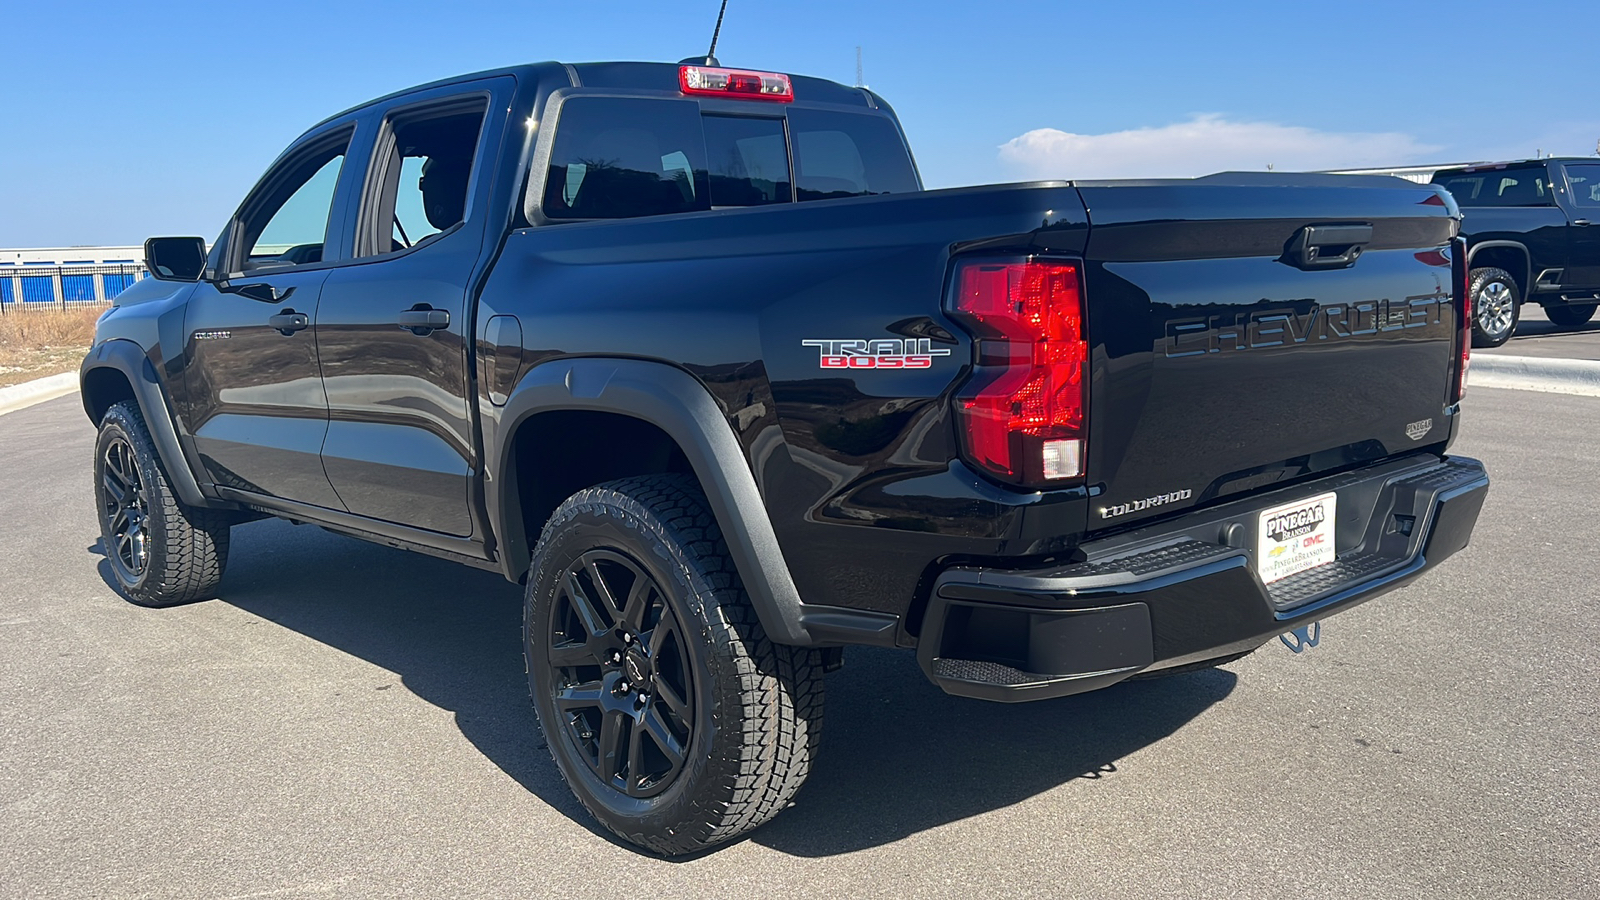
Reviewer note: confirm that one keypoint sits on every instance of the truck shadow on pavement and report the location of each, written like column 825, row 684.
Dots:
column 899, row 756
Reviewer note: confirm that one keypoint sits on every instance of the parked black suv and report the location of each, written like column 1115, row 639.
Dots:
column 1530, row 239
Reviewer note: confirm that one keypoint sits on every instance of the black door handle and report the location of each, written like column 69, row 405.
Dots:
column 289, row 321
column 424, row 319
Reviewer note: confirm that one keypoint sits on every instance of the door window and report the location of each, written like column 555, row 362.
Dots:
column 287, row 224
column 423, row 173
column 1500, row 187
column 1585, row 183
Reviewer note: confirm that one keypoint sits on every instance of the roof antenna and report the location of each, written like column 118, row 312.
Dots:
column 710, row 59
column 859, row 82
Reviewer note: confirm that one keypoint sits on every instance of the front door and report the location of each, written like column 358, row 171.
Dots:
column 256, row 406
column 392, row 328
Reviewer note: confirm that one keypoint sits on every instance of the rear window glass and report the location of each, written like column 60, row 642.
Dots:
column 838, row 154
column 749, row 161
column 616, row 158
column 1498, row 187
column 619, row 158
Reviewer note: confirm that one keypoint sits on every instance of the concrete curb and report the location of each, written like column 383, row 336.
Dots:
column 22, row 396
column 1530, row 373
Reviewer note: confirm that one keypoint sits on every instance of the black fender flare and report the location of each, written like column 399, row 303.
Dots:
column 134, row 364
column 678, row 404
column 1527, row 261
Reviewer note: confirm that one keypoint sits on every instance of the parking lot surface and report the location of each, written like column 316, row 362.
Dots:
column 1536, row 336
column 349, row 720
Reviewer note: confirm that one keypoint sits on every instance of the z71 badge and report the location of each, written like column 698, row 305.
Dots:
column 879, row 353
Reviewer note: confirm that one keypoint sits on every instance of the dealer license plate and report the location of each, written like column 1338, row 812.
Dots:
column 1295, row 537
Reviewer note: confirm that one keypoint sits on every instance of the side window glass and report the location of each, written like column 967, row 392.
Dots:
column 426, row 169
column 1585, row 183
column 848, row 155
column 617, row 158
column 1518, row 187
column 288, row 225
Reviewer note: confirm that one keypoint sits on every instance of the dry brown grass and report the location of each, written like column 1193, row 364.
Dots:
column 37, row 343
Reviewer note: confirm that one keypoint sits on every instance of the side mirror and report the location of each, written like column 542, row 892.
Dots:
column 175, row 258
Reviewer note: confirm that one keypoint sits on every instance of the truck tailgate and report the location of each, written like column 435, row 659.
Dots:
column 1226, row 357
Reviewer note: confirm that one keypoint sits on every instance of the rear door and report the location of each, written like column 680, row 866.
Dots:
column 256, row 406
column 1583, row 187
column 1221, row 362
column 392, row 328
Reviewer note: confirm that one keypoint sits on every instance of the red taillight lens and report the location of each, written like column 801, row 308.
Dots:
column 1022, row 414
column 1463, row 304
column 735, row 83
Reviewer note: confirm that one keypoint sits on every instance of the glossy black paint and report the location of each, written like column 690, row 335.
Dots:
column 1203, row 336
column 842, row 494
column 1552, row 249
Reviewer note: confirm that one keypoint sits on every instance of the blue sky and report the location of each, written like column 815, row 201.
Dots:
column 127, row 120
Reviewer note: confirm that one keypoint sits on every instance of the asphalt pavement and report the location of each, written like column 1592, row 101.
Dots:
column 349, row 720
column 1536, row 336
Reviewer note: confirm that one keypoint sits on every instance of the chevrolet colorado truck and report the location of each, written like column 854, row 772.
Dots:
column 689, row 352
column 1529, row 240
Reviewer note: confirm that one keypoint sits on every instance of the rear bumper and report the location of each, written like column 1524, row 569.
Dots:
column 1186, row 591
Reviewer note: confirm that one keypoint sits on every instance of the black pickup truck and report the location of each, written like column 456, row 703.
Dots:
column 690, row 353
column 1529, row 239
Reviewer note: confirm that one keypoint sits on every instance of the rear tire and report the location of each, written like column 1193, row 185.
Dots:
column 1496, row 306
column 1574, row 315
column 161, row 552
column 677, row 723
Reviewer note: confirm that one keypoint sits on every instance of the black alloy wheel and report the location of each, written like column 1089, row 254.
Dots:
column 672, row 716
column 160, row 551
column 620, row 674
column 125, row 510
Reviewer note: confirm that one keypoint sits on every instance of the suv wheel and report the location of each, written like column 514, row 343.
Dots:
column 673, row 718
column 1572, row 316
column 161, row 552
column 1496, row 305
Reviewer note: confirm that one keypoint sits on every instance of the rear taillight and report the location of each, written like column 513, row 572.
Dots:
column 1022, row 414
column 1463, row 305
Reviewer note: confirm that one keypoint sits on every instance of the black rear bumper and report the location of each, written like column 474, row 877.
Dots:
column 1186, row 591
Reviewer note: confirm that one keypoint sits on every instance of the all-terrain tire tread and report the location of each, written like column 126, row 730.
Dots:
column 190, row 547
column 778, row 689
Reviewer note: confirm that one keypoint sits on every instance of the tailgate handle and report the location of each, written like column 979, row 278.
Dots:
column 1327, row 246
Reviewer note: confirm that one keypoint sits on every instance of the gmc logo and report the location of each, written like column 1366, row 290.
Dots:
column 1284, row 327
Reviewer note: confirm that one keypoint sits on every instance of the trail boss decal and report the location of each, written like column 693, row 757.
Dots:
column 879, row 353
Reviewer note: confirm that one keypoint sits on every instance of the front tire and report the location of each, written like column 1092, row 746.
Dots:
column 161, row 552
column 677, row 723
column 1496, row 306
column 1575, row 315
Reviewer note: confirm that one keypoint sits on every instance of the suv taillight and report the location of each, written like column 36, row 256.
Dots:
column 1022, row 414
column 1463, row 304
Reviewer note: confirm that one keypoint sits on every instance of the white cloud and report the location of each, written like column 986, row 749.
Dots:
column 1202, row 145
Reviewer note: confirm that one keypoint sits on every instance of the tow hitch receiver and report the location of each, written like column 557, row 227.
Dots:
column 1303, row 638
